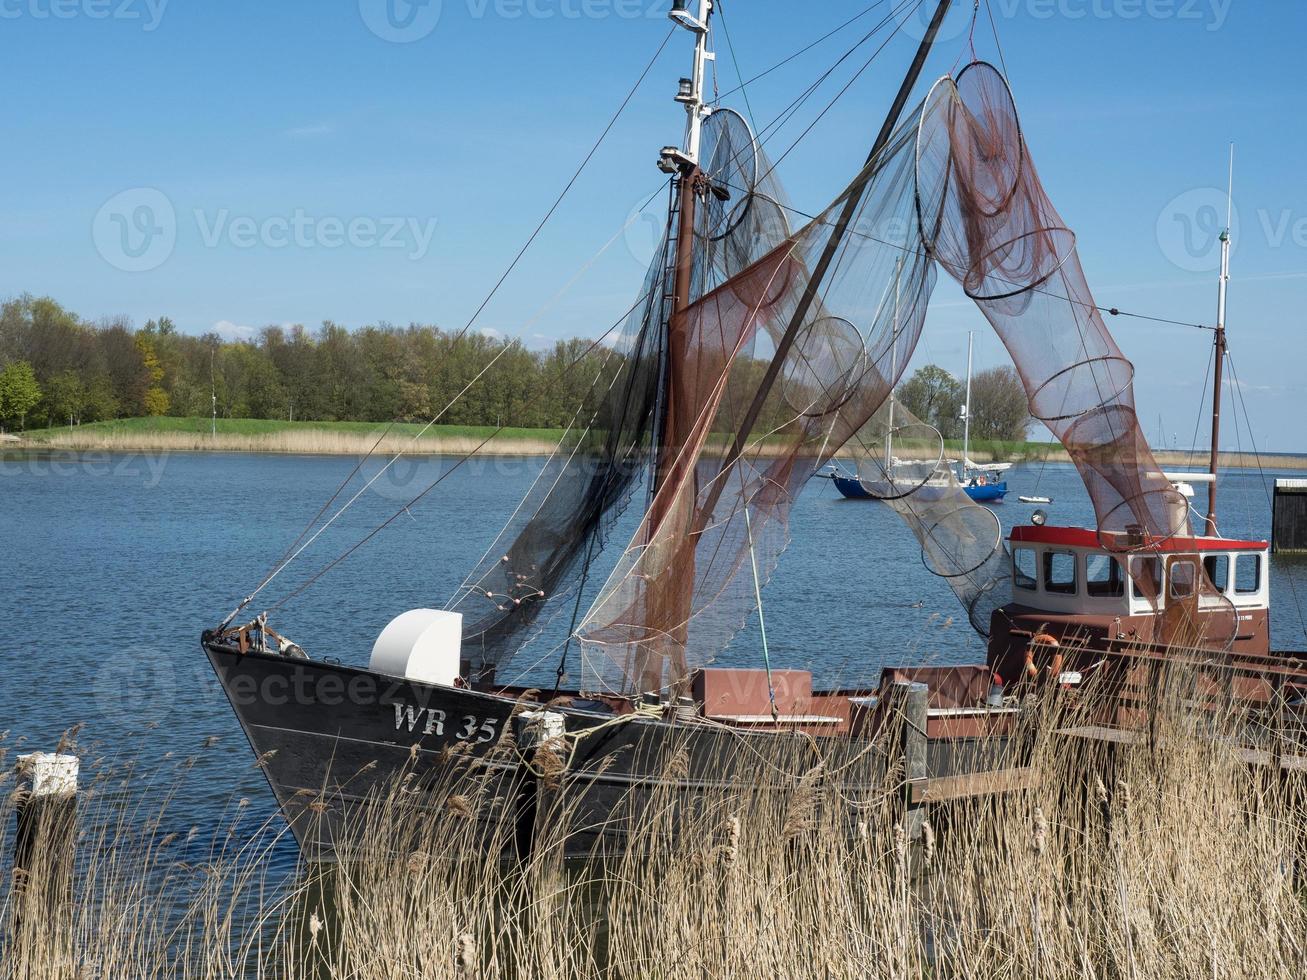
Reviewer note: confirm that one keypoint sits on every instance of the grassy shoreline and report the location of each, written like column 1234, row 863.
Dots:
column 356, row 438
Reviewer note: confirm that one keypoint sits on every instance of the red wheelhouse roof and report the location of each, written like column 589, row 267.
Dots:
column 1080, row 537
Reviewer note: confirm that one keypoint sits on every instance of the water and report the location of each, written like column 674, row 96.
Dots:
column 113, row 564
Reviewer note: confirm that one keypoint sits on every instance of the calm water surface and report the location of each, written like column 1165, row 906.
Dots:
column 113, row 564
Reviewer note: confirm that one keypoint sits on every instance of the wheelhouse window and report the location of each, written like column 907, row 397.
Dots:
column 1060, row 572
column 1146, row 578
column 1023, row 568
column 1247, row 574
column 1218, row 571
column 1183, row 579
column 1103, row 577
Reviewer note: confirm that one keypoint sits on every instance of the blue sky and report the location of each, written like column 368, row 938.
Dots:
column 319, row 162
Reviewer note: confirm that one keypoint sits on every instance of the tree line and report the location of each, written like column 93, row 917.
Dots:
column 58, row 369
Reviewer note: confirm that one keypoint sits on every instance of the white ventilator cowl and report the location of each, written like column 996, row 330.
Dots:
column 421, row 645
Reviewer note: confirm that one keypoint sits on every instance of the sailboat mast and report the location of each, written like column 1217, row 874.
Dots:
column 966, row 410
column 893, row 372
column 1219, row 356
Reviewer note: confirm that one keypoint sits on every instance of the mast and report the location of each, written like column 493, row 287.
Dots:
column 893, row 374
column 1219, row 356
column 823, row 263
column 966, row 408
column 683, row 162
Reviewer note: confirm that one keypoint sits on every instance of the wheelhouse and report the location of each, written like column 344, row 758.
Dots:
column 1073, row 590
column 1069, row 570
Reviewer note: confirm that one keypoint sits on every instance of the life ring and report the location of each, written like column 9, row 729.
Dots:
column 981, row 480
column 1048, row 641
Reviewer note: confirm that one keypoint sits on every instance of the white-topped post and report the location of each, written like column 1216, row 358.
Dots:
column 44, row 847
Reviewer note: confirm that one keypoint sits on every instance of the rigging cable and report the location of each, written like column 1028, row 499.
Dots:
column 1261, row 473
column 842, row 92
column 735, row 62
column 803, row 50
column 575, row 175
column 296, row 549
column 762, row 620
column 789, row 111
column 458, row 464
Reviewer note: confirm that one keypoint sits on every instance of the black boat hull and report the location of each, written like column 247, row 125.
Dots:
column 331, row 739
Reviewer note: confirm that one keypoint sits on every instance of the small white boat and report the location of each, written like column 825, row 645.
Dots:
column 1035, row 500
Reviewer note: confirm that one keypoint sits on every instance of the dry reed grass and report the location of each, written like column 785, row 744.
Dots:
column 321, row 442
column 1166, row 860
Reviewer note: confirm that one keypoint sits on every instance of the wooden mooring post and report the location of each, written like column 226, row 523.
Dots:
column 910, row 702
column 1289, row 516
column 44, row 847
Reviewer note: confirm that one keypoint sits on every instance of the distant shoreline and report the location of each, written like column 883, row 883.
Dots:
column 359, row 438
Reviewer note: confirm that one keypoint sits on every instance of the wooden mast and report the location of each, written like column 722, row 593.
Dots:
column 1219, row 355
column 684, row 163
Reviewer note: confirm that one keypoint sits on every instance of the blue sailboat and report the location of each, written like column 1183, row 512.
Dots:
column 979, row 482
column 979, row 488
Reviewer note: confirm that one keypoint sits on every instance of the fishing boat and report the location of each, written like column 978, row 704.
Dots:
column 760, row 349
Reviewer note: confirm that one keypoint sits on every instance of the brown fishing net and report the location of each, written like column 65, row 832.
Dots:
column 988, row 221
column 786, row 363
column 788, row 352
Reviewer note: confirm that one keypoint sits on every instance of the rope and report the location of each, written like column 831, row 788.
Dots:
column 762, row 621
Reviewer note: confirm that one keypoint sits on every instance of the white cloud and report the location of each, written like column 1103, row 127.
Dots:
column 233, row 331
column 311, row 130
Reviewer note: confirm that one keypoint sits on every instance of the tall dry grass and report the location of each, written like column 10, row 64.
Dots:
column 1168, row 858
column 321, row 442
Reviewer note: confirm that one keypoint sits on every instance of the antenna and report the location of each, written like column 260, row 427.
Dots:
column 213, row 393
column 1219, row 357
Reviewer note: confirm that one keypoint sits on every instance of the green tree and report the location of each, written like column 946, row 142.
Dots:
column 935, row 396
column 65, row 396
column 154, row 399
column 19, row 392
column 999, row 407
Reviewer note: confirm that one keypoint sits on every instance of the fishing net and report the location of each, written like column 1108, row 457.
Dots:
column 961, row 541
column 786, row 362
column 785, row 352
column 542, row 554
column 988, row 221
